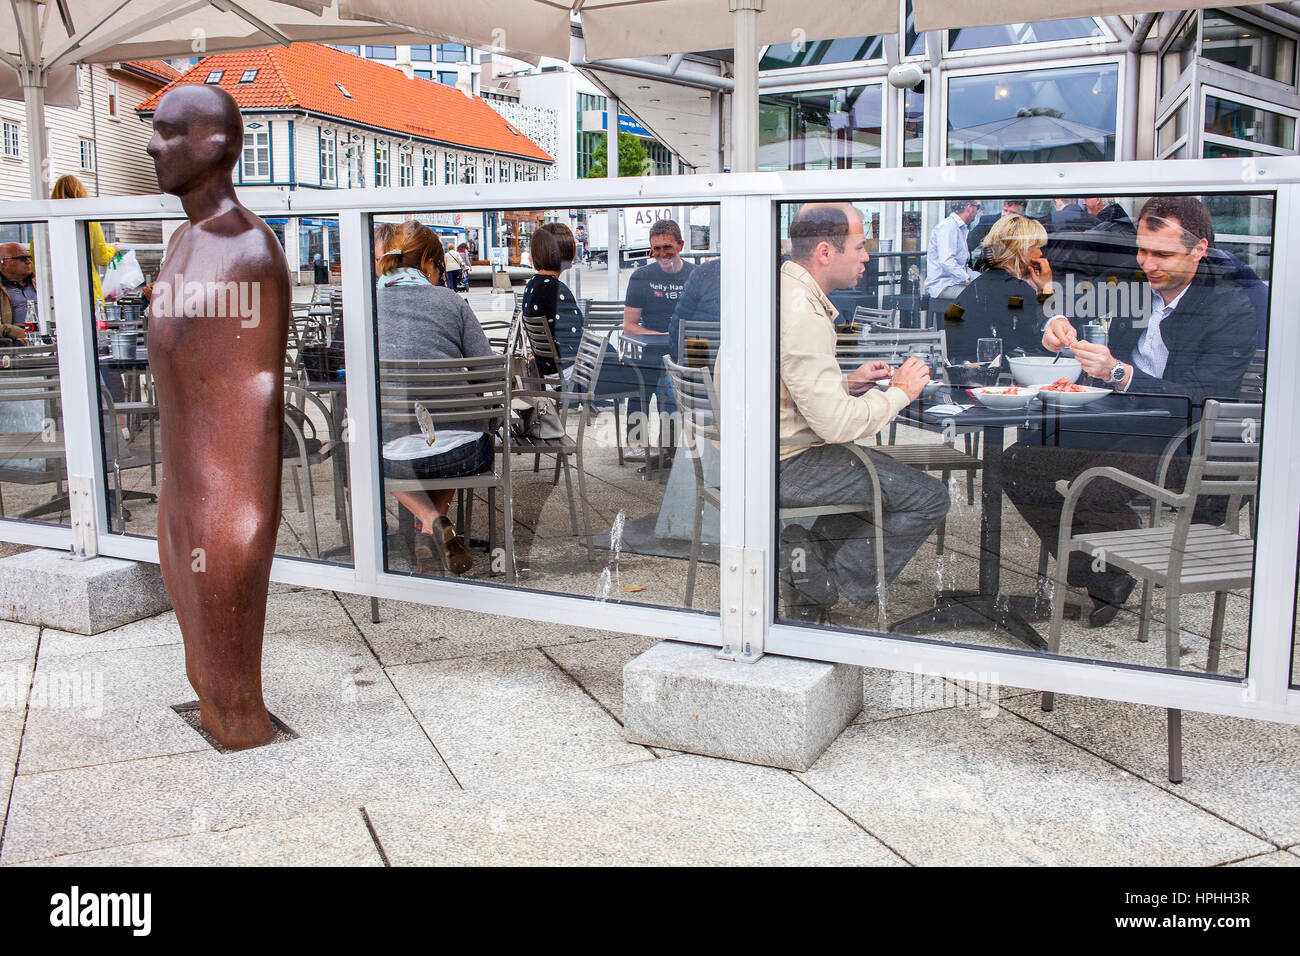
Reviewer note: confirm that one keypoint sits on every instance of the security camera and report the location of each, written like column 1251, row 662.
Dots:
column 906, row 76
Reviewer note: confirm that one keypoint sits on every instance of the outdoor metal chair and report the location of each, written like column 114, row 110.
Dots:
column 455, row 390
column 882, row 318
column 606, row 315
column 1181, row 557
column 697, row 404
column 121, row 458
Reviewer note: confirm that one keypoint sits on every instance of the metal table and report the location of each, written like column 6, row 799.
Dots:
column 984, row 606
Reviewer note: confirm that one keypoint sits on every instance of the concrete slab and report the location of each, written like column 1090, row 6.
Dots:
column 779, row 712
column 148, row 632
column 327, row 839
column 1276, row 858
column 598, row 666
column 951, row 787
column 15, row 679
column 49, row 589
column 1247, row 771
column 687, row 811
column 509, row 716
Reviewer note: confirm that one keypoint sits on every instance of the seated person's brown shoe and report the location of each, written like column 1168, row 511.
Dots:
column 451, row 547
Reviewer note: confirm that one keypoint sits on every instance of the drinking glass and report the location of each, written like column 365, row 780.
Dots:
column 986, row 350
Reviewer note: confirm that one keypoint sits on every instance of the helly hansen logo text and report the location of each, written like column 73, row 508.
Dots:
column 75, row 909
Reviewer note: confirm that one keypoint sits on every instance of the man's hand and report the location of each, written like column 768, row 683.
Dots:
column 866, row 375
column 1059, row 334
column 912, row 377
column 1096, row 359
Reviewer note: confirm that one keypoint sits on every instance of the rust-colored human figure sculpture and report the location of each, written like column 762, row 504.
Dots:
column 218, row 329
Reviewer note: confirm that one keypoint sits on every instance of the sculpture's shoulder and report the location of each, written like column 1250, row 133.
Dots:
column 248, row 245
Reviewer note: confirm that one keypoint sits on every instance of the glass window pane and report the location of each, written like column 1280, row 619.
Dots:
column 1178, row 56
column 820, row 129
column 1251, row 123
column 33, row 465
column 915, row 41
column 1242, row 45
column 964, row 546
column 1171, row 130
column 812, row 52
column 914, row 127
column 1014, row 34
column 1038, row 116
column 627, row 461
column 421, row 53
column 314, row 481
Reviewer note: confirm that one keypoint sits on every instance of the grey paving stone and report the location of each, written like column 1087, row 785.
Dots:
column 48, row 588
column 1245, row 770
column 15, row 679
column 598, row 666
column 412, row 633
column 951, row 787
column 17, row 641
column 297, row 610
column 513, row 715
column 779, row 711
column 1276, row 858
column 686, row 811
column 327, row 839
column 150, row 631
column 112, row 705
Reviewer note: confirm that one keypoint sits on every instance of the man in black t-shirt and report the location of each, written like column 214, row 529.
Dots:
column 653, row 290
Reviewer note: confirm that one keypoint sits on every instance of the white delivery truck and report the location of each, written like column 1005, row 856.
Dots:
column 634, row 224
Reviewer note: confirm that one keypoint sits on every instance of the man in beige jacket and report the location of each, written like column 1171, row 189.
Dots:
column 822, row 410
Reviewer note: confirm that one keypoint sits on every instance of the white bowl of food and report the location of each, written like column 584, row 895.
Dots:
column 1005, row 397
column 1043, row 370
column 1065, row 394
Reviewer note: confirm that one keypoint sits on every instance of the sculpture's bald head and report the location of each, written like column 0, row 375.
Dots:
column 198, row 133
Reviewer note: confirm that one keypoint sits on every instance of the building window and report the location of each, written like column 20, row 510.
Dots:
column 424, row 74
column 1178, row 55
column 328, row 160
column 503, row 171
column 519, row 168
column 248, row 76
column 111, row 88
column 13, row 140
column 1014, row 34
column 347, row 48
column 382, row 52
column 421, row 54
column 1251, row 124
column 784, row 56
column 257, row 154
column 1171, row 135
column 405, row 169
column 489, row 171
column 381, row 164
column 451, row 53
column 820, row 129
column 430, row 173
column 1242, row 45
column 343, row 89
column 215, row 76
column 469, row 172
column 87, row 154
column 449, row 169
column 1033, row 116
column 447, row 77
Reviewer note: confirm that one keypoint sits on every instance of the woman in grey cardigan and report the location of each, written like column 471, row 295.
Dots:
column 421, row 319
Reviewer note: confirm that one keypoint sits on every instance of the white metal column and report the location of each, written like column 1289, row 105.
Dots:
column 613, row 255
column 744, row 97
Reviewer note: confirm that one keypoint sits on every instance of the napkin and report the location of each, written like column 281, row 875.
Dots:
column 947, row 409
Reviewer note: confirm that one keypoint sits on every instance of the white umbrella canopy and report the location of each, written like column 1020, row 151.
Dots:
column 951, row 14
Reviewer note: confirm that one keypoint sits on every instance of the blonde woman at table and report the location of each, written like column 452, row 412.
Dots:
column 419, row 318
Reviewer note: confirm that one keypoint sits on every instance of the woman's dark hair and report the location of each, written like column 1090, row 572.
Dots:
column 551, row 246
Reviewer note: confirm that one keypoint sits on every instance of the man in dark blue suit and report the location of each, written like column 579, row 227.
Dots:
column 1194, row 342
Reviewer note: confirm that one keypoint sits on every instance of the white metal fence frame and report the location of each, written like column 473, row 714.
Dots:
column 745, row 628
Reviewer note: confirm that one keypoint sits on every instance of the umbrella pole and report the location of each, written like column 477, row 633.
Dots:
column 33, row 78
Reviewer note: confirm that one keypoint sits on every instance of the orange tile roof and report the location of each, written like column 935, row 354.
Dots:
column 164, row 71
column 307, row 76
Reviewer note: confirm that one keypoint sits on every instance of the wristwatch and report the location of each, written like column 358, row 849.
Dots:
column 1118, row 373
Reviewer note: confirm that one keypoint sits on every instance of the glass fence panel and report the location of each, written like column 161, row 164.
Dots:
column 33, row 464
column 939, row 440
column 315, row 507
column 597, row 345
column 1295, row 634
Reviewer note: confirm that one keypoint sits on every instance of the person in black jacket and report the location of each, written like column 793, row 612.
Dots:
column 1195, row 342
column 552, row 249
column 1005, row 301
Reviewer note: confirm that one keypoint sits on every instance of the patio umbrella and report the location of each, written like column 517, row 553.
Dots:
column 947, row 14
column 1030, row 133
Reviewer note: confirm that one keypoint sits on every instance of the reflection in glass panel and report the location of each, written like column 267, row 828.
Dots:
column 1178, row 55
column 314, row 495
column 33, row 464
column 1014, row 34
column 915, row 41
column 1238, row 43
column 1038, row 116
column 1171, row 130
column 921, row 447
column 1226, row 118
column 1221, row 150
column 780, row 56
column 1295, row 636
column 914, row 127
column 820, row 129
column 611, row 451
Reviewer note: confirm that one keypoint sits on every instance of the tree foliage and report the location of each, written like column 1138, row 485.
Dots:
column 632, row 157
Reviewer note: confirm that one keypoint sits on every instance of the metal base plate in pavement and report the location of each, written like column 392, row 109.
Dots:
column 969, row 608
